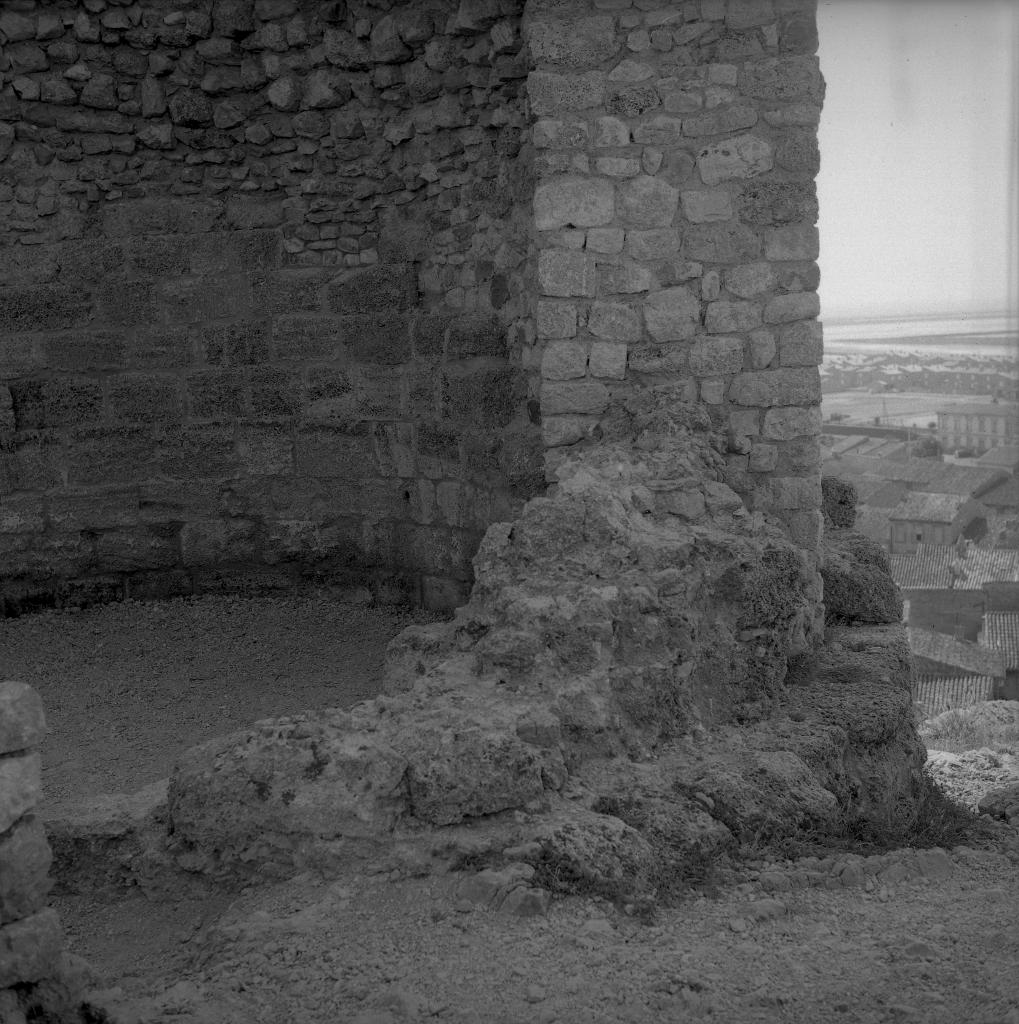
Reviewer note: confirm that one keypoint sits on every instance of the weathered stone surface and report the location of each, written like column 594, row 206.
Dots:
column 729, row 317
column 721, row 242
column 801, row 344
column 797, row 306
column 750, row 279
column 858, row 584
column 614, row 321
column 731, row 118
column 556, row 319
column 647, row 202
column 22, row 721
column 565, row 273
column 716, row 356
column 24, row 865
column 576, row 43
column 29, row 948
column 20, row 787
column 582, row 397
column 786, row 78
column 838, row 502
column 653, row 244
column 552, row 93
column 672, row 314
column 700, row 206
column 795, row 242
column 744, row 156
column 783, row 424
column 564, row 360
column 777, row 387
column 570, row 201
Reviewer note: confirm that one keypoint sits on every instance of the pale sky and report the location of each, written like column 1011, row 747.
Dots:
column 916, row 134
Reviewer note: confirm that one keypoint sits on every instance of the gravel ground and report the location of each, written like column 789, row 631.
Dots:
column 127, row 686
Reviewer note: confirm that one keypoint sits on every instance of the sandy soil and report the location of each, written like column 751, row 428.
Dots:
column 126, row 686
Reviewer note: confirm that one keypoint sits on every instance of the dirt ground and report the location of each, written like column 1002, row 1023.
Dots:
column 127, row 686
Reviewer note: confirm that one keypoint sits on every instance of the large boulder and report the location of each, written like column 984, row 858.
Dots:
column 606, row 701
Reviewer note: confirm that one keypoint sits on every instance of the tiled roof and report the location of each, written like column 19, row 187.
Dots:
column 931, row 475
column 940, row 693
column 921, row 507
column 884, row 494
column 968, row 657
column 1001, row 631
column 928, row 568
column 1005, row 455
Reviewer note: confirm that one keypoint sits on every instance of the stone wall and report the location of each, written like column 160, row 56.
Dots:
column 289, row 286
column 260, row 293
column 675, row 227
column 30, row 936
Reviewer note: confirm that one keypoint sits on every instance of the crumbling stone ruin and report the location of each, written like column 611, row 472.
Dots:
column 364, row 291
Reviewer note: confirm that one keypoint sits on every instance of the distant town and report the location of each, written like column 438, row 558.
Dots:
column 923, row 418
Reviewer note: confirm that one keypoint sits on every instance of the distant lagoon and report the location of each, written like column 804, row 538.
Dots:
column 975, row 335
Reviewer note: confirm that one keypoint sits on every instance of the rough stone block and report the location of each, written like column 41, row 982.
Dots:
column 611, row 133
column 792, row 242
column 551, row 133
column 763, row 458
column 653, row 244
column 768, row 388
column 608, row 359
column 564, row 360
column 20, row 787
column 659, row 130
column 378, row 289
column 647, row 202
column 44, row 308
column 192, row 300
column 784, row 309
column 716, row 356
column 25, row 859
column 557, row 431
column 478, row 335
column 744, row 156
column 551, row 94
column 786, row 422
column 384, row 340
column 672, row 314
column 573, row 44
column 798, row 151
column 215, row 394
column 556, row 319
column 584, row 397
column 565, row 273
column 801, row 344
column 614, row 321
column 788, row 493
column 750, row 279
column 783, row 78
column 721, row 242
column 571, row 201
column 762, row 348
column 729, row 317
column 607, row 241
column 145, row 398
column 723, row 119
column 700, row 206
column 778, row 202
column 489, row 398
column 30, row 948
column 22, row 721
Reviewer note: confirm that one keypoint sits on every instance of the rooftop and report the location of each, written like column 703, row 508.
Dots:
column 940, row 693
column 1005, row 455
column 1001, row 631
column 928, row 568
column 932, row 475
column 872, row 523
column 919, row 506
column 1004, row 496
column 980, row 409
column 969, row 658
